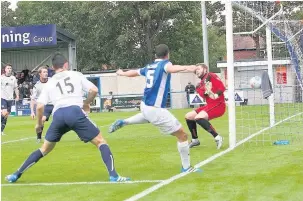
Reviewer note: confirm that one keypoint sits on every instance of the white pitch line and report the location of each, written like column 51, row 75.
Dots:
column 83, row 183
column 22, row 139
column 28, row 138
column 202, row 163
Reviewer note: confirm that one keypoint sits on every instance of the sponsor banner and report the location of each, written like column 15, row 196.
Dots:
column 26, row 36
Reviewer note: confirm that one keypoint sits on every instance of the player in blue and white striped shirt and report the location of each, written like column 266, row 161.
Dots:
column 158, row 76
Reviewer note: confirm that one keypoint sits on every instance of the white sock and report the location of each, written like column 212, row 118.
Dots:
column 217, row 137
column 194, row 140
column 183, row 149
column 136, row 119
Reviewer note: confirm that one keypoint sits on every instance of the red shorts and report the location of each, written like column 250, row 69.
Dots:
column 213, row 110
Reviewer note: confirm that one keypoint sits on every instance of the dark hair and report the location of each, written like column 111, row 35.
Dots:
column 58, row 60
column 161, row 50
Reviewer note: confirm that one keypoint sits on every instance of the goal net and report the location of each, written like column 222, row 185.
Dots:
column 267, row 44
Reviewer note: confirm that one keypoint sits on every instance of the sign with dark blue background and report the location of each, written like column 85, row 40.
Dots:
column 25, row 36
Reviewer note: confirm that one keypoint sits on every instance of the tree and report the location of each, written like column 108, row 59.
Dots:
column 7, row 14
column 148, row 23
column 293, row 10
column 79, row 18
column 123, row 34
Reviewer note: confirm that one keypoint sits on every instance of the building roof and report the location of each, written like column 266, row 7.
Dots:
column 254, row 62
column 246, row 43
column 64, row 35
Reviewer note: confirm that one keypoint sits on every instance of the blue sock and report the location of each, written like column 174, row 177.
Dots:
column 30, row 161
column 3, row 123
column 108, row 159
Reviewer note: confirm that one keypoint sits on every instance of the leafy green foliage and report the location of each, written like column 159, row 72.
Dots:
column 123, row 34
column 7, row 14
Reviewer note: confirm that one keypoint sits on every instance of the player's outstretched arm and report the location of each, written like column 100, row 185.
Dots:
column 178, row 68
column 129, row 73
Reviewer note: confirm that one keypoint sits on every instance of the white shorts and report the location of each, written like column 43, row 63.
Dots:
column 161, row 118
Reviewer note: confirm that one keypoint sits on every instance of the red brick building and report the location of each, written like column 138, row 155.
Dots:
column 245, row 48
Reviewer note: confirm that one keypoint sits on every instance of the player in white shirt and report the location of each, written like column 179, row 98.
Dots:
column 37, row 90
column 153, row 105
column 9, row 85
column 65, row 91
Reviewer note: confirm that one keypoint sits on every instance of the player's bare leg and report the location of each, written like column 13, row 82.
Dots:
column 202, row 120
column 192, row 126
column 136, row 119
column 183, row 149
column 108, row 159
column 31, row 160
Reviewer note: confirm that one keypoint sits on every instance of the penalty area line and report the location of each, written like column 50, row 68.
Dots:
column 81, row 183
column 22, row 139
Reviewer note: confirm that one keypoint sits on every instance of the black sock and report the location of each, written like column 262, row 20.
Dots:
column 30, row 161
column 108, row 159
column 2, row 118
column 207, row 126
column 39, row 134
column 3, row 123
column 192, row 126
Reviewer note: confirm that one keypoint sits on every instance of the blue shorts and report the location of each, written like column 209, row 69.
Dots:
column 48, row 109
column 6, row 104
column 71, row 118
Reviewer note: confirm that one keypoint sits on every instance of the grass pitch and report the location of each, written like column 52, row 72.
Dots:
column 256, row 170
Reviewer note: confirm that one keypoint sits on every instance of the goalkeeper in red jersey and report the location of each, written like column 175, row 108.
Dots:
column 212, row 90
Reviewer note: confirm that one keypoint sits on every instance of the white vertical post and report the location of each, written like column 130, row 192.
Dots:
column 204, row 32
column 230, row 74
column 70, row 57
column 271, row 98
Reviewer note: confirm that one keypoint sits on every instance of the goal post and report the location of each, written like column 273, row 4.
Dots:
column 263, row 26
column 230, row 74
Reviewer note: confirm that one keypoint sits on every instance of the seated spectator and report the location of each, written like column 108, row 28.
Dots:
column 21, row 79
column 108, row 102
column 18, row 75
column 24, row 90
column 26, row 73
column 50, row 71
column 36, row 78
